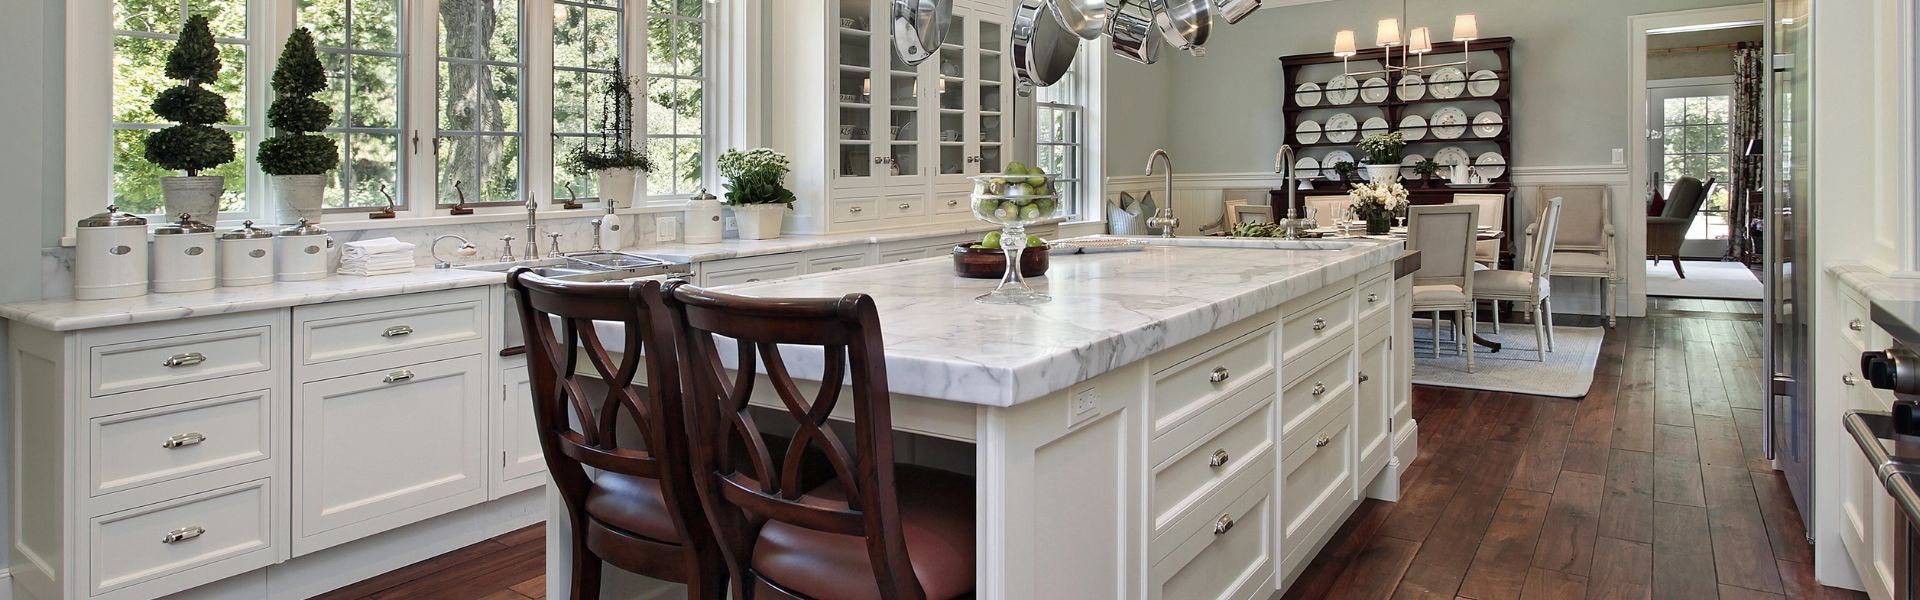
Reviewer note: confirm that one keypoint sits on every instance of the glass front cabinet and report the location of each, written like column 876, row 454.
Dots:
column 897, row 141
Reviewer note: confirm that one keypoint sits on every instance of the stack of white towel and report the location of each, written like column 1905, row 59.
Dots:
column 384, row 256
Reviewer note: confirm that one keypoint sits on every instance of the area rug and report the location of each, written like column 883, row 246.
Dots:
column 1516, row 368
column 1705, row 279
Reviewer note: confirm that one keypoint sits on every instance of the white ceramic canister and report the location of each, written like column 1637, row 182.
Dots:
column 303, row 253
column 110, row 256
column 704, row 223
column 183, row 256
column 246, row 256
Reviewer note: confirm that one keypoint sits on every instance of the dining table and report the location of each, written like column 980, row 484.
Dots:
column 1400, row 233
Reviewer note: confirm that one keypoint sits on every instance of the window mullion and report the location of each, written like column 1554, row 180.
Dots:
column 419, row 74
column 536, row 124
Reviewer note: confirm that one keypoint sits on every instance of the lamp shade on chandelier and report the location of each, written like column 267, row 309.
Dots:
column 1418, row 43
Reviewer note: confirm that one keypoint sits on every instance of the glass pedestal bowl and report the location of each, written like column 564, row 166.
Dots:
column 1013, row 202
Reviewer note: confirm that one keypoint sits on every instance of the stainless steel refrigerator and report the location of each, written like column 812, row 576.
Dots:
column 1786, row 243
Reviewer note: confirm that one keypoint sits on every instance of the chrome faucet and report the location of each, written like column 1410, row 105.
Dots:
column 1164, row 221
column 533, row 228
column 1283, row 162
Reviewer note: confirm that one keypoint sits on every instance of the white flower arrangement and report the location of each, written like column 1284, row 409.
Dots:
column 1376, row 197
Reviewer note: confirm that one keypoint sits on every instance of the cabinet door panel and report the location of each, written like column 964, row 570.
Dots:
column 1373, row 404
column 520, row 453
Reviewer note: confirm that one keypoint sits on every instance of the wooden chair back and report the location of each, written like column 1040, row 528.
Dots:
column 741, row 483
column 1445, row 235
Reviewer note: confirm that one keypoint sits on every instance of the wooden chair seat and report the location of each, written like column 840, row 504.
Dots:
column 936, row 516
column 631, row 504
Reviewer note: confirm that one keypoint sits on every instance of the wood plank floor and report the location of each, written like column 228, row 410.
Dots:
column 1653, row 486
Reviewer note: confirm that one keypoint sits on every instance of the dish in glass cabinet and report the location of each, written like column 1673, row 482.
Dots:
column 1307, row 94
column 1306, row 168
column 1341, row 128
column 1483, row 83
column 1491, row 165
column 1336, row 157
column 1488, row 124
column 1375, row 90
column 1449, row 123
column 1342, row 90
column 1307, row 133
column 1411, row 160
column 1448, row 82
column 1413, row 128
column 1452, row 155
column 1374, row 125
column 1413, row 87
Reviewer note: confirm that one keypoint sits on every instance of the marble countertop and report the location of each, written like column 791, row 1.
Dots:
column 1896, row 302
column 1108, row 310
column 735, row 248
column 67, row 314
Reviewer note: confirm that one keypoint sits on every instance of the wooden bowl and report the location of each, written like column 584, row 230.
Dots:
column 991, row 263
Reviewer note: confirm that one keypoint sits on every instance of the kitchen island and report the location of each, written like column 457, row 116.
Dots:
column 1189, row 421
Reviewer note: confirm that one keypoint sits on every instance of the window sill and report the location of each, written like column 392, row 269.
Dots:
column 357, row 221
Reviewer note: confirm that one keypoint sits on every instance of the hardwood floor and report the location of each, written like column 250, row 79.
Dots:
column 1652, row 486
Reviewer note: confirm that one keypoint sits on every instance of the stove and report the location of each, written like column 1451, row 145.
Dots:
column 1891, row 440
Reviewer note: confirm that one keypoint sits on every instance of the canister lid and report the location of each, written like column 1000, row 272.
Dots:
column 186, row 225
column 703, row 195
column 303, row 228
column 113, row 218
column 246, row 231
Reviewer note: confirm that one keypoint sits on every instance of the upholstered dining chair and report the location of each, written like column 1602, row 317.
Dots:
column 1493, row 213
column 1531, row 285
column 640, row 511
column 1585, row 244
column 1326, row 209
column 876, row 530
column 1668, row 232
column 1445, row 236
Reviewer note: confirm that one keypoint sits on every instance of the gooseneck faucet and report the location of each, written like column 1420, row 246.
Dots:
column 1283, row 163
column 1164, row 221
column 533, row 228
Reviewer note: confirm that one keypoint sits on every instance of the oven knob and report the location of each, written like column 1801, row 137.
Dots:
column 1896, row 370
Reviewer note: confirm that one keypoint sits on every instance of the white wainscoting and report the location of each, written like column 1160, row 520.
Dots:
column 1197, row 199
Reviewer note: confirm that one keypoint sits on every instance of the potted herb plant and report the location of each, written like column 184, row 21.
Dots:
column 192, row 144
column 1383, row 155
column 1375, row 202
column 1426, row 169
column 757, row 191
column 1345, row 171
column 296, row 156
column 611, row 157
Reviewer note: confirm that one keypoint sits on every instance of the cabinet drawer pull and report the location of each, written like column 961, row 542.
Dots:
column 1219, row 459
column 854, row 209
column 1319, row 388
column 1849, row 379
column 183, row 439
column 187, row 359
column 1322, row 441
column 397, row 331
column 1319, row 324
column 754, row 280
column 952, row 203
column 1219, row 374
column 905, row 205
column 1223, row 525
column 399, row 376
column 1856, row 325
column 1372, row 298
column 1364, row 378
column 183, row 534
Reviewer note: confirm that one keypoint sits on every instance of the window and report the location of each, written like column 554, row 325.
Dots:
column 588, row 38
column 359, row 42
column 675, row 118
column 144, row 32
column 481, row 66
column 1060, row 137
column 1695, row 142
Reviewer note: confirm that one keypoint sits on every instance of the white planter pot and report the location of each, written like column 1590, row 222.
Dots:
column 298, row 197
column 759, row 221
column 198, row 197
column 616, row 186
column 1383, row 172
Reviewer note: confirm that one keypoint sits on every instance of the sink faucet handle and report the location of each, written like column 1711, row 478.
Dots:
column 553, row 244
column 506, row 248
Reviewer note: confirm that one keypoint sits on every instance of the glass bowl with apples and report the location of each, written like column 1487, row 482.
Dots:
column 1014, row 199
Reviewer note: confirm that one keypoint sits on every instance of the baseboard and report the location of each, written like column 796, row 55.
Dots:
column 6, row 585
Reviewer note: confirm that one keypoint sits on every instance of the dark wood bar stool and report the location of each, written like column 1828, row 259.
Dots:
column 876, row 529
column 640, row 512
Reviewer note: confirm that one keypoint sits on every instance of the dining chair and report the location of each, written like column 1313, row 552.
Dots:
column 1326, row 209
column 876, row 529
column 640, row 510
column 1585, row 244
column 1445, row 236
column 1493, row 213
column 1531, row 285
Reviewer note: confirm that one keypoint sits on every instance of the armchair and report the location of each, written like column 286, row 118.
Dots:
column 1667, row 232
column 1584, row 246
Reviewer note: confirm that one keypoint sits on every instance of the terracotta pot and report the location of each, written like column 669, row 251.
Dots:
column 991, row 263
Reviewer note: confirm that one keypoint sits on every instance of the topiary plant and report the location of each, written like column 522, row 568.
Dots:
column 295, row 149
column 191, row 144
column 613, row 148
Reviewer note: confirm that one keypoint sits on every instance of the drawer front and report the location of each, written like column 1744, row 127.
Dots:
column 1226, row 557
column 854, row 210
column 170, row 442
column 1310, row 396
column 368, row 334
column 752, row 274
column 902, row 255
column 951, row 203
column 170, row 537
column 1373, row 401
column 1857, row 323
column 1375, row 297
column 152, row 363
column 843, row 262
column 1180, row 483
column 1183, row 390
column 904, row 206
column 1316, row 481
column 1326, row 322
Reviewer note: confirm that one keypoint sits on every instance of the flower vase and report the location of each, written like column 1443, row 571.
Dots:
column 759, row 221
column 1379, row 223
column 1383, row 172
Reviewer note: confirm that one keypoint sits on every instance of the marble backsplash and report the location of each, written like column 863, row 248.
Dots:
column 576, row 234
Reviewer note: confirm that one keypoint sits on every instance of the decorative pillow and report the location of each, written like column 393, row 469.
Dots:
column 1129, row 217
column 1657, row 205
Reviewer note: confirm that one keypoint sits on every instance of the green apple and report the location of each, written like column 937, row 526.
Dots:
column 1016, row 168
column 1037, row 176
column 1034, row 241
column 992, row 240
column 1007, row 211
column 1030, row 213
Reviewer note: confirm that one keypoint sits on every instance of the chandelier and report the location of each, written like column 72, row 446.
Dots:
column 1413, row 50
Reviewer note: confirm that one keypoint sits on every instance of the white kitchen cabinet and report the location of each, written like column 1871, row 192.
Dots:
column 1869, row 520
column 1374, row 399
column 522, row 464
column 837, row 259
column 750, row 269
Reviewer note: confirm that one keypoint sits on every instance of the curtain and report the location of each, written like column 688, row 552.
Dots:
column 1744, row 185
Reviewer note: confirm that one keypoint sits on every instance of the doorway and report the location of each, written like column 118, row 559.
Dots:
column 1692, row 136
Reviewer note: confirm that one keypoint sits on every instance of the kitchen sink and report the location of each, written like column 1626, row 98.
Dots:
column 590, row 267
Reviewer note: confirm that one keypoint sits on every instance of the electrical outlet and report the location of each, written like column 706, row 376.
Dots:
column 666, row 229
column 1084, row 405
column 1619, row 156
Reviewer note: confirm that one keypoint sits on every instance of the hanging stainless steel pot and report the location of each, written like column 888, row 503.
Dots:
column 1185, row 23
column 1133, row 33
column 920, row 27
column 1043, row 49
column 1235, row 10
column 1085, row 18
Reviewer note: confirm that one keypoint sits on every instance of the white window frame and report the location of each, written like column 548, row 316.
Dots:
column 404, row 164
column 643, row 76
column 623, row 7
column 1089, row 70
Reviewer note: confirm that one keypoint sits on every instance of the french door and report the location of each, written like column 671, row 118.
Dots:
column 1692, row 125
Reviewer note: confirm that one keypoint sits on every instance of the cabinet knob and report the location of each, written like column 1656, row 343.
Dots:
column 186, row 359
column 1319, row 324
column 905, row 205
column 1219, row 458
column 1849, row 379
column 1364, row 378
column 1223, row 525
column 183, row 439
column 1322, row 441
column 183, row 534
column 1372, row 298
column 952, row 202
column 399, row 376
column 1319, row 388
column 1219, row 374
column 397, row 331
column 1856, row 325
column 854, row 209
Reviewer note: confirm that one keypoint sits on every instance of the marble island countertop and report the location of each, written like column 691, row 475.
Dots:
column 1108, row 310
column 735, row 248
column 67, row 314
